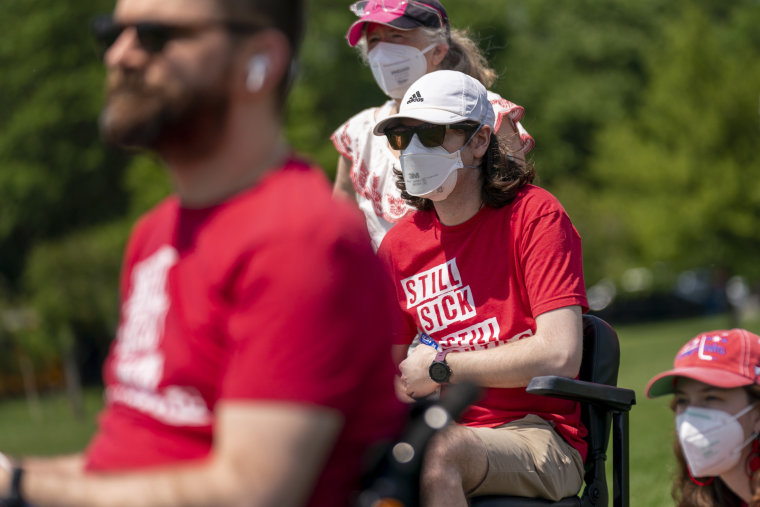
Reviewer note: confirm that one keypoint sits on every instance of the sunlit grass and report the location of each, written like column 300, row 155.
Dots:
column 50, row 428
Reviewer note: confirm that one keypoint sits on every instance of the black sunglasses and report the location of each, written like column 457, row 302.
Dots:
column 429, row 134
column 153, row 36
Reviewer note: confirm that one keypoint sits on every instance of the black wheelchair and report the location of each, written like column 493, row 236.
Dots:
column 604, row 408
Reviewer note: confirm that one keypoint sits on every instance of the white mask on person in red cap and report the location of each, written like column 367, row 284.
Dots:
column 431, row 173
column 396, row 66
column 712, row 440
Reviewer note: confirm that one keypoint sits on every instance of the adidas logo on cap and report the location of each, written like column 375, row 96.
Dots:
column 416, row 97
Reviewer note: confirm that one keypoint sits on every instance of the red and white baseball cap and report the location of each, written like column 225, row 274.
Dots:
column 401, row 14
column 723, row 358
column 443, row 97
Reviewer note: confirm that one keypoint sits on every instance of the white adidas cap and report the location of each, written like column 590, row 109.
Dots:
column 443, row 97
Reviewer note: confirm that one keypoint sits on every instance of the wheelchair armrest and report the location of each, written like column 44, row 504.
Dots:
column 616, row 398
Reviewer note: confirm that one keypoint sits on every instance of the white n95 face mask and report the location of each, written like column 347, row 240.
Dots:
column 711, row 440
column 431, row 173
column 396, row 66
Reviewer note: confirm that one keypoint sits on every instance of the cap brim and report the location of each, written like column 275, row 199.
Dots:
column 400, row 22
column 438, row 116
column 664, row 383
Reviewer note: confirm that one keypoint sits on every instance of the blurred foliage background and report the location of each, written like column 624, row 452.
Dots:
column 645, row 115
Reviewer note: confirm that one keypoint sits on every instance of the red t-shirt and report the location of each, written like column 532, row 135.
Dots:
column 275, row 294
column 480, row 284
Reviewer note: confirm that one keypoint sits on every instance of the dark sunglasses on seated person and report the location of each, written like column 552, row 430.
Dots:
column 430, row 135
column 153, row 36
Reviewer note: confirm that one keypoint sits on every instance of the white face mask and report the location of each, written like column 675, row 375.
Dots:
column 711, row 440
column 396, row 66
column 431, row 172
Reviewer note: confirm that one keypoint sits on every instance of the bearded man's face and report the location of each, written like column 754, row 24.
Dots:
column 161, row 100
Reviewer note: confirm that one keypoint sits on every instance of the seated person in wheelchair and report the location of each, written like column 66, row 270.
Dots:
column 489, row 269
column 716, row 400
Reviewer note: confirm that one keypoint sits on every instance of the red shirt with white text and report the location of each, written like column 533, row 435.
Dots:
column 480, row 284
column 255, row 299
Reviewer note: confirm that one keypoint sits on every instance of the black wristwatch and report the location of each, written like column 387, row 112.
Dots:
column 439, row 369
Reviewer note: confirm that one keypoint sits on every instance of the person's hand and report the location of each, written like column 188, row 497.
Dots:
column 415, row 372
column 400, row 388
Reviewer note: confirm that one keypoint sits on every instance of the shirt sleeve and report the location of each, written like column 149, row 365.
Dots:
column 341, row 139
column 552, row 262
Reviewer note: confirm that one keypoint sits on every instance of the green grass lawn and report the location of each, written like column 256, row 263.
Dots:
column 52, row 430
column 646, row 349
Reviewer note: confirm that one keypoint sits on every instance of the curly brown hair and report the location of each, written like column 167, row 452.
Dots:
column 715, row 492
column 502, row 175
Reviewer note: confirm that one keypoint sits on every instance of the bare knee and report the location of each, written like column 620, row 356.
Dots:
column 440, row 465
column 454, row 456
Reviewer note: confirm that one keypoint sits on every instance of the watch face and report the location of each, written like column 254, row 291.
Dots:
column 439, row 372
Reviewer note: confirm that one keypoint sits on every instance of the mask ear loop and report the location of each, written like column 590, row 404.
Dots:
column 752, row 464
column 697, row 481
column 427, row 49
column 468, row 142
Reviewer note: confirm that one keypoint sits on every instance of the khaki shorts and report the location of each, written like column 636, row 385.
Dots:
column 528, row 458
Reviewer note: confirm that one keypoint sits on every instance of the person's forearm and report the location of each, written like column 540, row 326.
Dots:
column 511, row 365
column 264, row 454
column 205, row 484
column 555, row 349
column 343, row 185
column 71, row 464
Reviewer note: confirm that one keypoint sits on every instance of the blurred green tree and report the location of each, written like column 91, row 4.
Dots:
column 67, row 199
column 674, row 182
column 575, row 67
column 73, row 287
column 55, row 174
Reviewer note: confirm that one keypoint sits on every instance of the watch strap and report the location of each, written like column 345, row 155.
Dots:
column 14, row 498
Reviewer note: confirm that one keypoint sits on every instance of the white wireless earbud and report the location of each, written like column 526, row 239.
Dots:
column 257, row 72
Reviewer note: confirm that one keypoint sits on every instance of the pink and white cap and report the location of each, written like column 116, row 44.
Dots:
column 401, row 14
column 723, row 358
